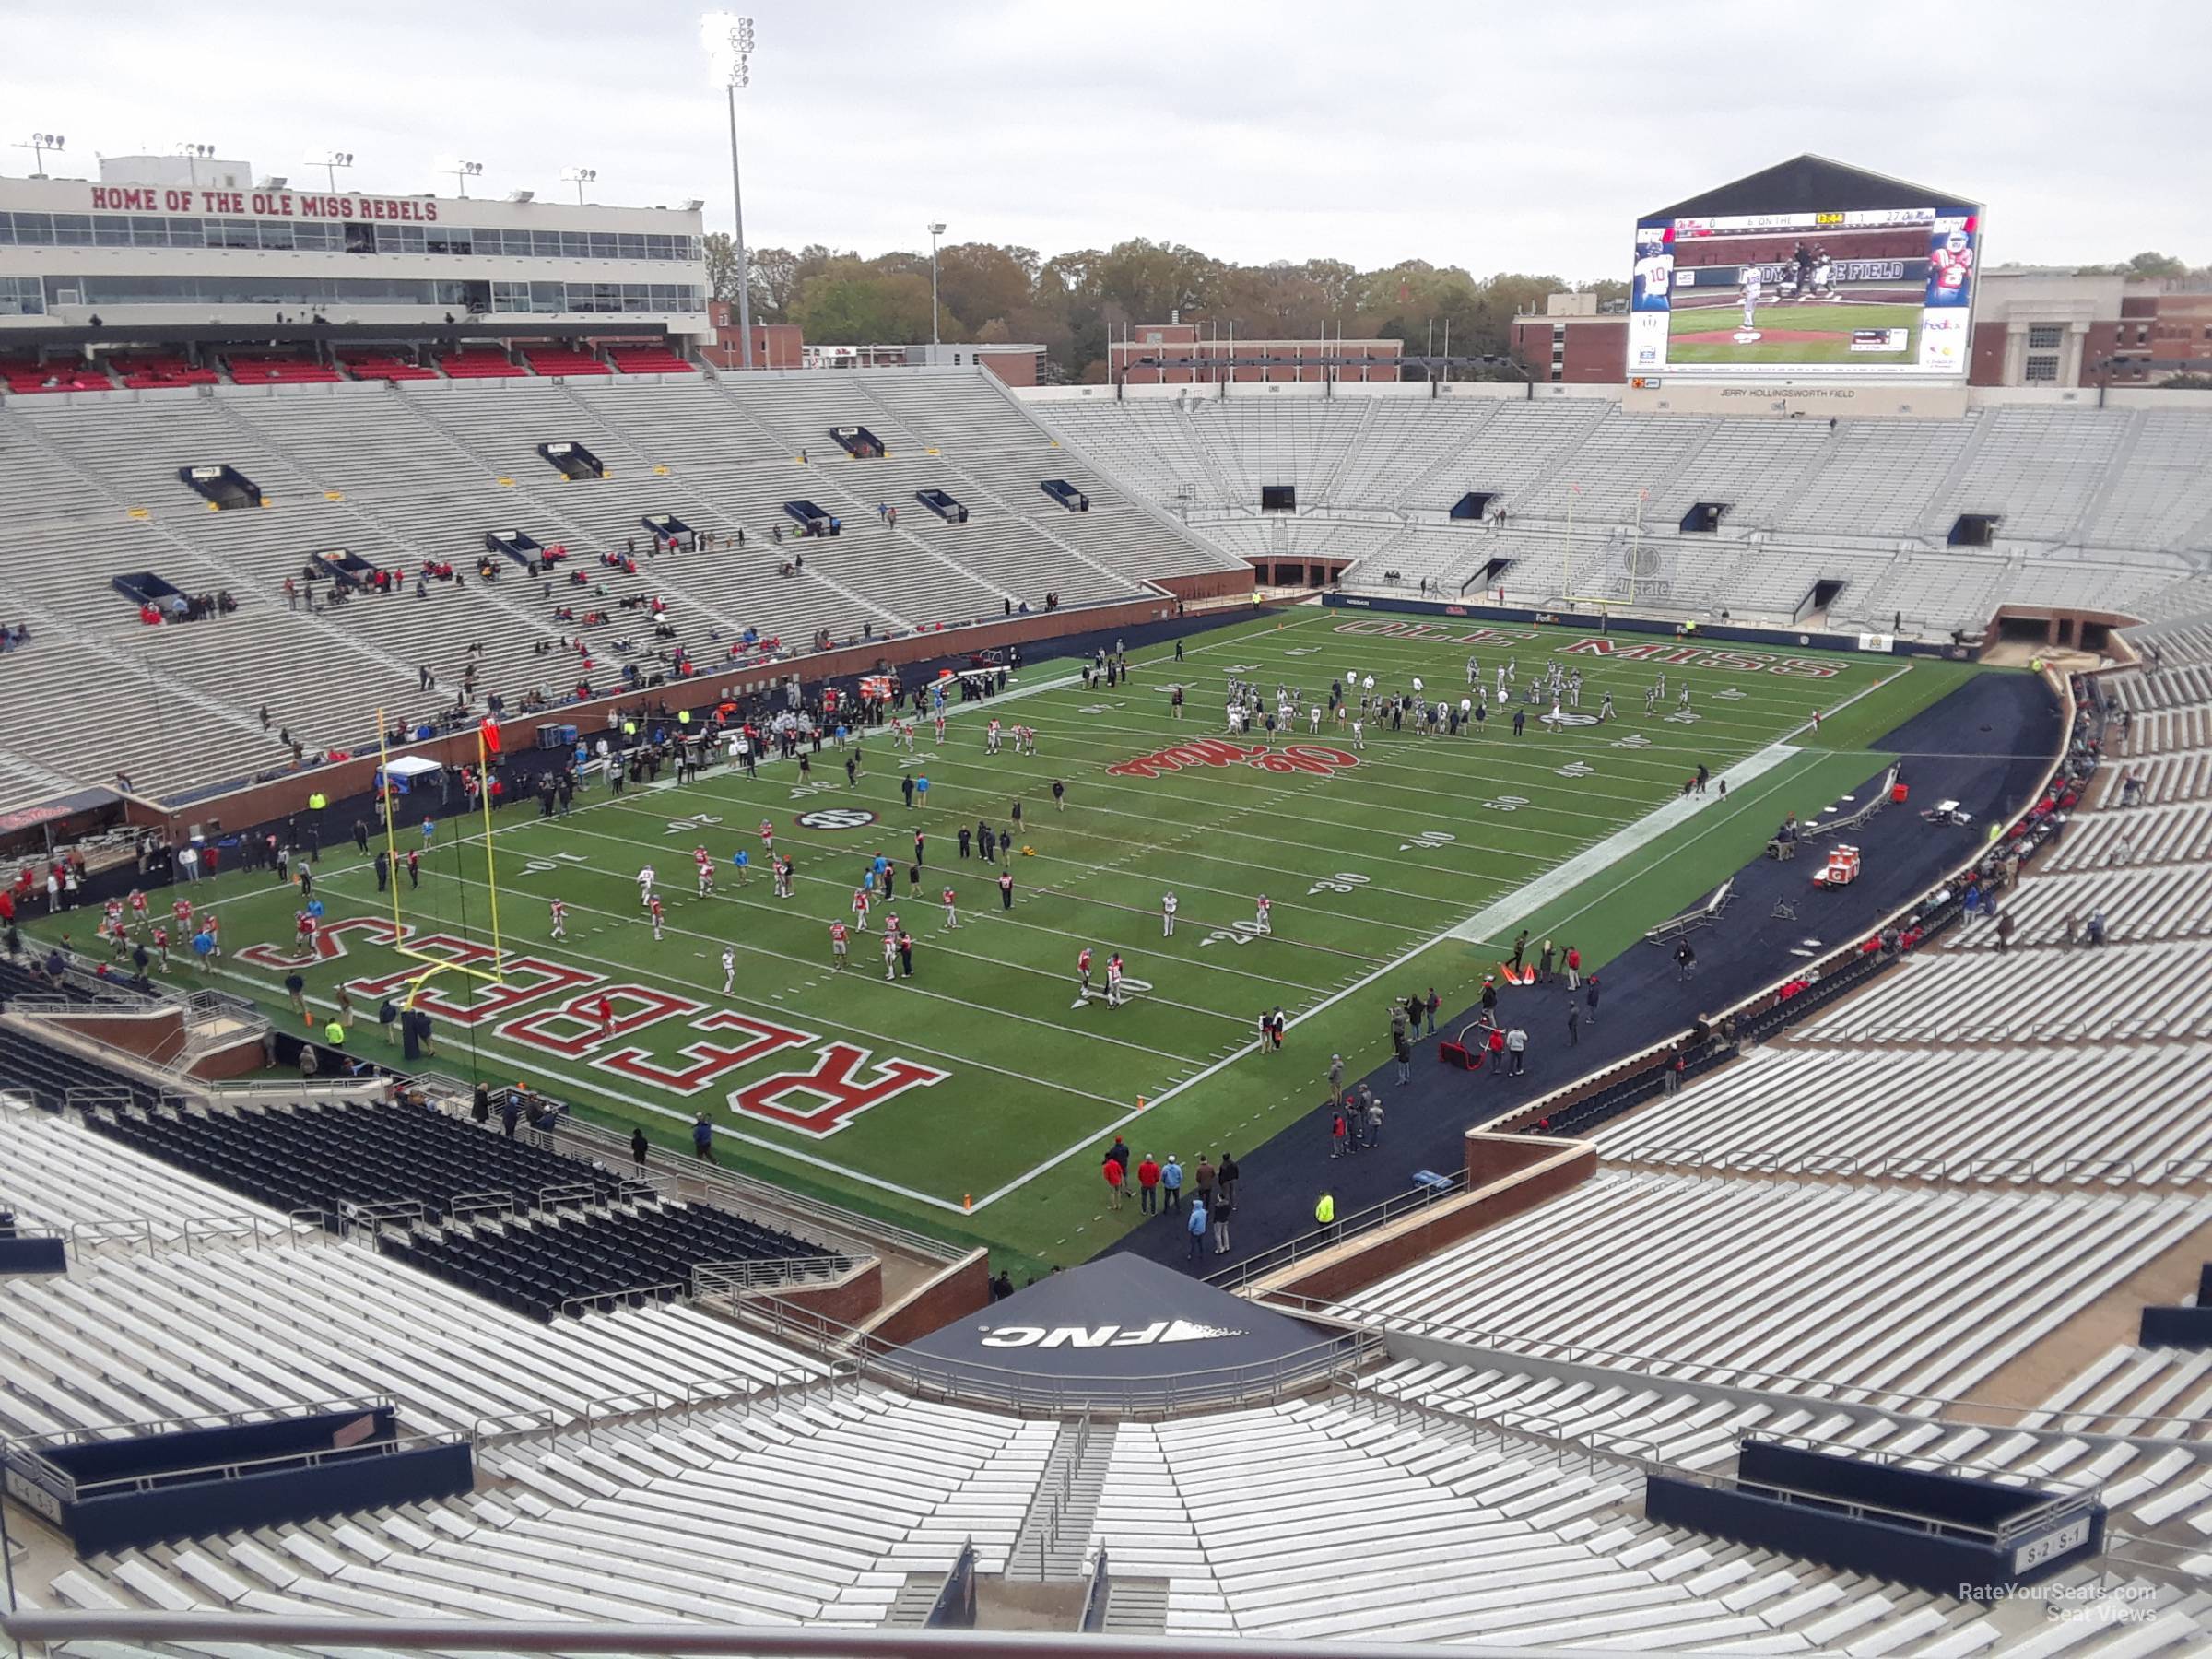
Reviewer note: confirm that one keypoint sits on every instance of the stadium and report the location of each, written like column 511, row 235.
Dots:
column 658, row 1005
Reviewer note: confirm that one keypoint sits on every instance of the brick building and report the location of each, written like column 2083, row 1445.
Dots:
column 1572, row 341
column 2053, row 328
column 775, row 345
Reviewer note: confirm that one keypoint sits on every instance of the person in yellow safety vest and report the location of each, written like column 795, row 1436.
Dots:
column 1324, row 1213
column 334, row 1034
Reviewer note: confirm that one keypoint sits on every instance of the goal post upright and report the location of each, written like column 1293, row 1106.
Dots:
column 496, row 972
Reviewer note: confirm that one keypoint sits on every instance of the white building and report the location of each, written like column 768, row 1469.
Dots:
column 162, row 242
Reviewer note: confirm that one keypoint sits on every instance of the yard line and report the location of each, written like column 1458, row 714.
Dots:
column 1736, row 804
column 724, row 1132
column 924, row 901
column 862, row 977
column 1244, row 895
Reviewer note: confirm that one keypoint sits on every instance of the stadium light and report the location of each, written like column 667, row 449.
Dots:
column 728, row 39
column 935, row 230
column 38, row 144
column 330, row 161
column 580, row 177
column 461, row 172
column 194, row 155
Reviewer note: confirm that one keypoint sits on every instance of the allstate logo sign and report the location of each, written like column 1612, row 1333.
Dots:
column 835, row 817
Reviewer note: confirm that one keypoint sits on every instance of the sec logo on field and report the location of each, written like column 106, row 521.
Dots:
column 835, row 817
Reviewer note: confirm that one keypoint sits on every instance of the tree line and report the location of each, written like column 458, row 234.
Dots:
column 1072, row 303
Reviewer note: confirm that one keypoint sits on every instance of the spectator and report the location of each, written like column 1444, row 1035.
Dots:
column 1148, row 1184
column 1112, row 1169
column 1171, row 1184
column 702, row 1139
column 1196, row 1229
column 1219, row 1212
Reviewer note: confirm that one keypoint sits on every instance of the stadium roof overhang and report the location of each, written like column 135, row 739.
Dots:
column 1810, row 185
column 495, row 327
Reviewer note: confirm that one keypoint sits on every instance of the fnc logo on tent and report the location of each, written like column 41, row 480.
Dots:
column 1107, row 1335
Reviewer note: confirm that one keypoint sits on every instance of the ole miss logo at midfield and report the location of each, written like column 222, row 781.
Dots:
column 1219, row 751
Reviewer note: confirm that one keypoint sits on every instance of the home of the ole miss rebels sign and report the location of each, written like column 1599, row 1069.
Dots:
column 258, row 203
column 555, row 1008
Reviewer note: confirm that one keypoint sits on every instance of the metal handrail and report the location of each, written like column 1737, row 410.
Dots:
column 711, row 1277
column 2034, row 1519
column 238, row 1468
column 32, row 1448
column 1316, row 1240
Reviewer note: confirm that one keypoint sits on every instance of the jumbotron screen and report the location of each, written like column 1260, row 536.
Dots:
column 1883, row 292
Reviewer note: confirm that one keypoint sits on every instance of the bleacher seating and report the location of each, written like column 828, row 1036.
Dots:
column 383, row 366
column 561, row 360
column 281, row 371
column 2095, row 508
column 648, row 360
column 52, row 1173
column 1823, row 1285
column 480, row 363
column 402, row 478
column 24, row 377
column 333, row 1157
column 127, row 1339
column 535, row 1268
column 811, row 1511
column 1695, row 1425
column 147, row 368
column 2137, row 1119
column 26, row 977
column 54, row 1076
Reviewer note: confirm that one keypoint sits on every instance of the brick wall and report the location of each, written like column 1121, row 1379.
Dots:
column 961, row 1289
column 156, row 1036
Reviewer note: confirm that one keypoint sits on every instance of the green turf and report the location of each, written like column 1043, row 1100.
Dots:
column 1774, row 316
column 1369, row 866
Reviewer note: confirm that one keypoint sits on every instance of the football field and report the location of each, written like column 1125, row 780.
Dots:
column 971, row 1097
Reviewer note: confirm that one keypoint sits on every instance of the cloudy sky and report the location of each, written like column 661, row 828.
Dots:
column 1466, row 132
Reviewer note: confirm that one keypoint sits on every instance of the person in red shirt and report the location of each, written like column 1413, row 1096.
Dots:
column 605, row 1011
column 1082, row 971
column 1496, row 1047
column 1114, row 1175
column 837, row 943
column 1574, row 968
column 1148, row 1184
